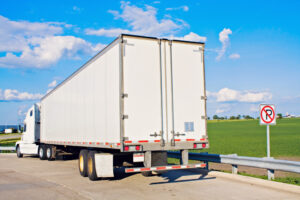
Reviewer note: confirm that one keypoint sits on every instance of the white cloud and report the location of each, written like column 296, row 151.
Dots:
column 22, row 110
column 184, row 8
column 15, row 95
column 254, row 108
column 107, row 32
column 223, row 108
column 191, row 37
column 229, row 95
column 156, row 2
column 219, row 111
column 234, row 56
column 38, row 45
column 75, row 8
column 52, row 84
column 141, row 22
column 224, row 39
column 47, row 51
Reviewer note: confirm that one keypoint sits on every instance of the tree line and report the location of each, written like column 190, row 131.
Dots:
column 216, row 117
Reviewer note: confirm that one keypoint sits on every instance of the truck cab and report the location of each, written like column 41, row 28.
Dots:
column 31, row 134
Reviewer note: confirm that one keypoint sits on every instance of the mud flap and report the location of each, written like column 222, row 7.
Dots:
column 104, row 165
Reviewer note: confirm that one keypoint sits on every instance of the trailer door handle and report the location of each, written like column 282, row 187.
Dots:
column 155, row 134
column 179, row 134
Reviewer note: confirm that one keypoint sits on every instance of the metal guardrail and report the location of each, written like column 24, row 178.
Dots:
column 270, row 164
column 11, row 148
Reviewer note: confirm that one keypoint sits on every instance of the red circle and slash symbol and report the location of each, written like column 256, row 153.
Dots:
column 263, row 110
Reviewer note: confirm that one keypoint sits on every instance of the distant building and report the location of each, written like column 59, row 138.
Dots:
column 4, row 127
column 287, row 115
column 8, row 130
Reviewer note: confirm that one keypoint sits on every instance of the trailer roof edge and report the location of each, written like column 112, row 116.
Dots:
column 157, row 38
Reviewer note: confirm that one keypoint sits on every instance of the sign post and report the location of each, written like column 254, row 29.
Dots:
column 268, row 117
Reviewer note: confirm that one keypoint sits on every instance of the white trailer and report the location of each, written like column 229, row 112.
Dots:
column 133, row 101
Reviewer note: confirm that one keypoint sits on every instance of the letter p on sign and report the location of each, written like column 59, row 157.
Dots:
column 267, row 114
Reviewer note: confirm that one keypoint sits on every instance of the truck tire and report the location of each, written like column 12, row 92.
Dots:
column 49, row 153
column 82, row 162
column 18, row 150
column 91, row 166
column 42, row 152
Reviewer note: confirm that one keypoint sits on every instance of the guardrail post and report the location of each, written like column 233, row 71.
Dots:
column 271, row 175
column 206, row 167
column 234, row 169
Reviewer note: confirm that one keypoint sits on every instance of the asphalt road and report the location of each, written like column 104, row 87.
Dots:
column 30, row 178
column 9, row 136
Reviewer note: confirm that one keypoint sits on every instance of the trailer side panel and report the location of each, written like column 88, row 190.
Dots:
column 85, row 109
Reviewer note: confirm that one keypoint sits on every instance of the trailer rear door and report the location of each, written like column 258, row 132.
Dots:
column 188, row 92
column 142, row 89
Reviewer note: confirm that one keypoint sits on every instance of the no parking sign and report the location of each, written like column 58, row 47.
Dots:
column 267, row 117
column 267, row 114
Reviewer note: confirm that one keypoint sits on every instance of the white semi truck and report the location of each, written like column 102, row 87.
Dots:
column 136, row 99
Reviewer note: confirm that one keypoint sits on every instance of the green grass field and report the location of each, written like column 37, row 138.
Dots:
column 9, row 142
column 248, row 138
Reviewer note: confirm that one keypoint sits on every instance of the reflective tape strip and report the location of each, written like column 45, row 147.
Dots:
column 190, row 139
column 143, row 141
column 85, row 143
column 170, row 167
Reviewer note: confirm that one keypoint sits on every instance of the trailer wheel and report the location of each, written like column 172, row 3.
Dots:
column 82, row 162
column 19, row 155
column 50, row 153
column 42, row 152
column 91, row 166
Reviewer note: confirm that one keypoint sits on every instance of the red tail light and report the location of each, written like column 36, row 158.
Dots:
column 126, row 148
column 203, row 145
column 195, row 146
column 137, row 148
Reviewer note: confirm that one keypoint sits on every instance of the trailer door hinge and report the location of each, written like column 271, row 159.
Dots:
column 124, row 95
column 203, row 117
column 203, row 97
column 124, row 117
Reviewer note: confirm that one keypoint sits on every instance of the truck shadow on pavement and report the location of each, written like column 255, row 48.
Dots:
column 173, row 176
column 168, row 176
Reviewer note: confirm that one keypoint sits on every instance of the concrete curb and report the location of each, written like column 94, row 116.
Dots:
column 256, row 181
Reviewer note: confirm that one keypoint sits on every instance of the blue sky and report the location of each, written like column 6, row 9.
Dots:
column 252, row 47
